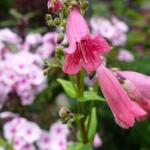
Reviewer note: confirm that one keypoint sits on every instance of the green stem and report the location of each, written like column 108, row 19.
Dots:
column 80, row 93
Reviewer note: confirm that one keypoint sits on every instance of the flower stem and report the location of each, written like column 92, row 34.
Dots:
column 80, row 93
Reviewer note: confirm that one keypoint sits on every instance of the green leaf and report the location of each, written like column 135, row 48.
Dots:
column 92, row 127
column 68, row 87
column 91, row 96
column 3, row 143
column 79, row 146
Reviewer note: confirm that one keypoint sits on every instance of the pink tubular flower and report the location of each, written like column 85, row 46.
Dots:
column 124, row 110
column 54, row 5
column 84, row 50
column 140, row 84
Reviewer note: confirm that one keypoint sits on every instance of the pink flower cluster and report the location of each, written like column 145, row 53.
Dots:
column 21, row 66
column 27, row 135
column 21, row 133
column 55, row 139
column 114, row 29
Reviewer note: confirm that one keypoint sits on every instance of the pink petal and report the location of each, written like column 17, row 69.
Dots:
column 72, row 63
column 141, row 81
column 116, row 97
column 76, row 28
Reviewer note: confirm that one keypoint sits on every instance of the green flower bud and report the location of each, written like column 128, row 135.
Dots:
column 57, row 21
column 60, row 38
column 85, row 5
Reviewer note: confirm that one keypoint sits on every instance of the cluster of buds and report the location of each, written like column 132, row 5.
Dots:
column 66, row 116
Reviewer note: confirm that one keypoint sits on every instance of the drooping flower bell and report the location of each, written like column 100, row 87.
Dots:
column 124, row 109
column 84, row 50
column 137, row 87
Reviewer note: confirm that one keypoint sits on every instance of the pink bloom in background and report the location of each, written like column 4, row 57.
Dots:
column 23, row 132
column 102, row 26
column 54, row 5
column 84, row 50
column 21, row 71
column 26, row 134
column 6, row 35
column 124, row 55
column 114, row 29
column 97, row 142
column 7, row 114
column 124, row 109
column 33, row 39
column 140, row 86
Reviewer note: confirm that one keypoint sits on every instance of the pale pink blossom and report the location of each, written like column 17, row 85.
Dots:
column 97, row 142
column 113, row 29
column 7, row 114
column 21, row 133
column 33, row 39
column 45, row 50
column 44, row 141
column 124, row 55
column 6, row 35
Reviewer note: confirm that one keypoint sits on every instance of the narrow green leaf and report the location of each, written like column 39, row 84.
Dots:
column 92, row 127
column 68, row 87
column 79, row 146
column 91, row 96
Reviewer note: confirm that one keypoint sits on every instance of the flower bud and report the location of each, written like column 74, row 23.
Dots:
column 54, row 5
column 57, row 21
column 59, row 51
column 60, row 38
column 64, row 112
column 85, row 5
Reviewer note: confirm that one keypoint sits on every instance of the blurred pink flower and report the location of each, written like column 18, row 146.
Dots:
column 84, row 50
column 22, row 133
column 6, row 35
column 55, row 139
column 114, row 29
column 125, row 55
column 97, row 142
column 124, row 109
column 44, row 141
column 45, row 50
column 7, row 114
column 102, row 26
column 138, row 87
column 33, row 39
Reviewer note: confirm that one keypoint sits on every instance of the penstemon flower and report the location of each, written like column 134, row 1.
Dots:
column 124, row 109
column 84, row 50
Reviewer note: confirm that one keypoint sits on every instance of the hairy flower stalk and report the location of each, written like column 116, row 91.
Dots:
column 124, row 109
column 84, row 50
